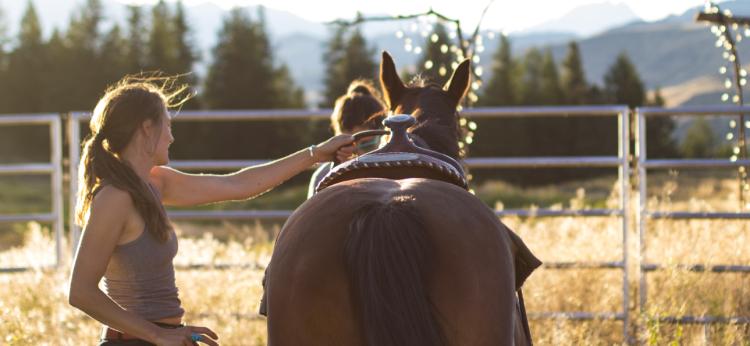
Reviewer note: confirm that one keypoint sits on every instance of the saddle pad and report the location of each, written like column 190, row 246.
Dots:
column 394, row 165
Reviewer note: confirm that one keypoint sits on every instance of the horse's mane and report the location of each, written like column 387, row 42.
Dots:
column 437, row 121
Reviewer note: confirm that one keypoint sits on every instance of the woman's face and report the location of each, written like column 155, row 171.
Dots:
column 161, row 152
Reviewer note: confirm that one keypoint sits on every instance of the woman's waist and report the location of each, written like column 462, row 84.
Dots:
column 111, row 334
column 151, row 305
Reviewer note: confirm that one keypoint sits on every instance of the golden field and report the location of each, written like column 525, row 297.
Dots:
column 34, row 309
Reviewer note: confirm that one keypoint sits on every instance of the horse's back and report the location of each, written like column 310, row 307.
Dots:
column 471, row 281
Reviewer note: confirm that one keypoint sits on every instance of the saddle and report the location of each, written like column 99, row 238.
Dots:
column 401, row 158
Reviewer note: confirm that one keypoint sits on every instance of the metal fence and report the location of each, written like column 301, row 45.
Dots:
column 644, row 214
column 619, row 161
column 53, row 168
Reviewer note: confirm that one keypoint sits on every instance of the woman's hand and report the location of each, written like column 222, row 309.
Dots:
column 338, row 147
column 184, row 336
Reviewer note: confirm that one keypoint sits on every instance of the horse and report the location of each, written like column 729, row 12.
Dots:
column 410, row 261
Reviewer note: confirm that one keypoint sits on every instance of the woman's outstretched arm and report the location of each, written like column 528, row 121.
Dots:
column 183, row 189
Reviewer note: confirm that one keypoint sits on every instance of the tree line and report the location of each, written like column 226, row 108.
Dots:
column 534, row 79
column 70, row 69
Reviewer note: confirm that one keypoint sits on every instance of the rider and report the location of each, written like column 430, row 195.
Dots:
column 358, row 110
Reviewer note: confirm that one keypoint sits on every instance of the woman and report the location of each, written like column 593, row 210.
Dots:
column 358, row 110
column 127, row 238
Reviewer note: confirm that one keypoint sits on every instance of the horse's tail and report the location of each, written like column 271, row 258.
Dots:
column 388, row 257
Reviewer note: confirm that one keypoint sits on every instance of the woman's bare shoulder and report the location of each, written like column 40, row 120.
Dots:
column 112, row 198
column 111, row 209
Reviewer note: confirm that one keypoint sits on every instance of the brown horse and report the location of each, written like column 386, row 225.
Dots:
column 416, row 261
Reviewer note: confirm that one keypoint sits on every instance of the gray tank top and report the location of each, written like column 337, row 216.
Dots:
column 140, row 277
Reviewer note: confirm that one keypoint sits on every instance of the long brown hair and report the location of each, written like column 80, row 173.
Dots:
column 116, row 117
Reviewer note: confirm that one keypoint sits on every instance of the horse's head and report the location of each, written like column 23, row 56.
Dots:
column 433, row 127
column 433, row 106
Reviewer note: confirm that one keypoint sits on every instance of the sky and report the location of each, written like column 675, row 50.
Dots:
column 502, row 14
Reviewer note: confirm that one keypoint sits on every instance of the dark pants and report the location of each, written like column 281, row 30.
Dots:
column 125, row 343
column 136, row 342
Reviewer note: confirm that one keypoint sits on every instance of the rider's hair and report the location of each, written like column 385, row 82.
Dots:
column 361, row 106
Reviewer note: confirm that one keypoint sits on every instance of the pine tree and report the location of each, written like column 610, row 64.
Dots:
column 573, row 78
column 287, row 94
column 84, row 68
column 137, row 37
column 623, row 85
column 290, row 96
column 25, row 77
column 114, row 54
column 162, row 46
column 333, row 58
column 23, row 87
column 549, row 92
column 501, row 136
column 347, row 58
column 436, row 61
column 84, row 29
column 187, row 56
column 358, row 60
column 533, row 66
column 578, row 92
column 502, row 88
column 57, row 98
column 553, row 134
column 243, row 76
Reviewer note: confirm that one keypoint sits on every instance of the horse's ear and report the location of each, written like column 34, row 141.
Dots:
column 458, row 85
column 393, row 87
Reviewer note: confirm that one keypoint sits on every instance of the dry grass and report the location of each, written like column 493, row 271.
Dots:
column 33, row 308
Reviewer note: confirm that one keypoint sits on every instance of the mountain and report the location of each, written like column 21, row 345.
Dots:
column 668, row 52
column 589, row 19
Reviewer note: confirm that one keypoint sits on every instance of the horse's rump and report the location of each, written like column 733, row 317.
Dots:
column 470, row 280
